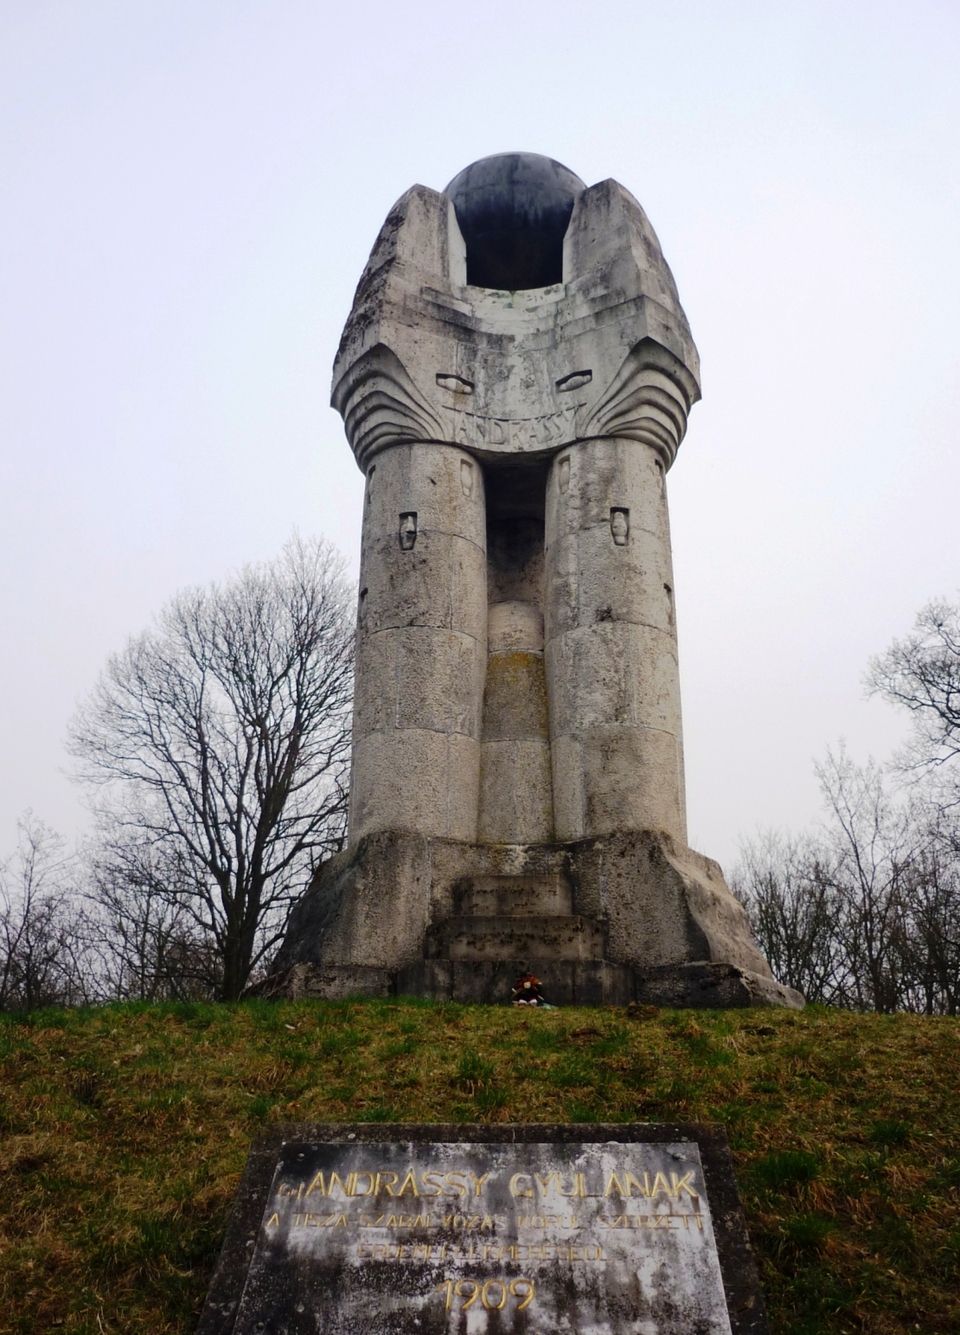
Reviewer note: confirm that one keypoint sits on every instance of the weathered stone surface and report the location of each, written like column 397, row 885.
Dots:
column 517, row 687
column 655, row 919
column 606, row 1230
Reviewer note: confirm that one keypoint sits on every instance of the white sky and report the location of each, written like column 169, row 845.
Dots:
column 189, row 190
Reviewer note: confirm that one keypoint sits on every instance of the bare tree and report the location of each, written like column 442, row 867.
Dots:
column 921, row 673
column 876, row 842
column 150, row 947
column 216, row 745
column 788, row 886
column 863, row 912
column 42, row 952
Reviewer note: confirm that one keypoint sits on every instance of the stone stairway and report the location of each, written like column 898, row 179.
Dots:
column 505, row 926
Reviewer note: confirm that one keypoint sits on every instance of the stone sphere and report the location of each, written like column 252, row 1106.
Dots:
column 513, row 210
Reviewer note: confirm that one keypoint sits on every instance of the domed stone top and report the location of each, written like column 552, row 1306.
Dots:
column 513, row 210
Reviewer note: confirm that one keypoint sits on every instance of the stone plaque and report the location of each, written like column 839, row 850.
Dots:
column 606, row 1230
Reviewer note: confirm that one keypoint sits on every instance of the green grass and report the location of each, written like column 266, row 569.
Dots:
column 123, row 1132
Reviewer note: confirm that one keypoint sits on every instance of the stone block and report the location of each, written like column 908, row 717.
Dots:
column 515, row 699
column 438, row 681
column 415, row 779
column 516, row 791
column 441, row 583
column 509, row 896
column 499, row 938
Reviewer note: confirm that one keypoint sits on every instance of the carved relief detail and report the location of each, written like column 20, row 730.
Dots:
column 466, row 477
column 648, row 400
column 408, row 530
column 620, row 524
column 381, row 405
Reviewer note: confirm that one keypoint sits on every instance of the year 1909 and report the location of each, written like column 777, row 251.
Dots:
column 493, row 1293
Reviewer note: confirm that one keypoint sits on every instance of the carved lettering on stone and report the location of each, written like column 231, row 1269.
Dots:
column 503, row 433
column 611, row 1238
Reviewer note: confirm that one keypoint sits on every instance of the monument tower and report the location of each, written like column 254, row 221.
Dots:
column 515, row 378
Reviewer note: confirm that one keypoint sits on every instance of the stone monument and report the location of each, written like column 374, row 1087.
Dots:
column 515, row 378
column 491, row 1230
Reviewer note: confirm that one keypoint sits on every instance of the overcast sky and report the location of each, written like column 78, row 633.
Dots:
column 188, row 193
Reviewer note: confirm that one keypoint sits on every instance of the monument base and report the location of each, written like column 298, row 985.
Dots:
column 605, row 921
column 592, row 983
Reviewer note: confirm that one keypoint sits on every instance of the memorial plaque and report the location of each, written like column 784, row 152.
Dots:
column 611, row 1230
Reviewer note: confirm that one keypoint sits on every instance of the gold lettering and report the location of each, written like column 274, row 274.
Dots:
column 273, row 1220
column 430, row 1180
column 664, row 1186
column 356, row 1178
column 478, row 1182
column 458, row 1186
column 515, row 1189
column 317, row 1184
column 680, row 1184
column 632, row 1182
column 544, row 1182
column 411, row 1182
column 340, row 1221
column 387, row 1186
column 619, row 1187
column 335, row 1178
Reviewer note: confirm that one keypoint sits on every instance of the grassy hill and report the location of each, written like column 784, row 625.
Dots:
column 123, row 1132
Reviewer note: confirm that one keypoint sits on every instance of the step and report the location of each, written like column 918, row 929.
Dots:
column 562, row 982
column 499, row 896
column 559, row 937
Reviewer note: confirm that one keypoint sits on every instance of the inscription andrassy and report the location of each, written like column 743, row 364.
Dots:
column 522, row 433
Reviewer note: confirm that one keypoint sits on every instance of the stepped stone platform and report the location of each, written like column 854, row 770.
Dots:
column 601, row 921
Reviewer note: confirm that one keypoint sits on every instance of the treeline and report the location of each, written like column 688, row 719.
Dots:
column 864, row 911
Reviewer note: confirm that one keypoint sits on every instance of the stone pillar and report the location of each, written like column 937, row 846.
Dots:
column 611, row 650
column 421, row 644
